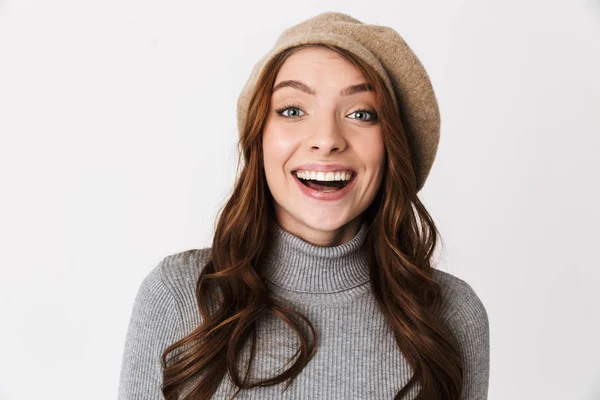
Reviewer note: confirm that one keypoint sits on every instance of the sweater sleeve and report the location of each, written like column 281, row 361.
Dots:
column 470, row 324
column 154, row 324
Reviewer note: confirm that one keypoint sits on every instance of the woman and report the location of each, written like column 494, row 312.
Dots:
column 319, row 283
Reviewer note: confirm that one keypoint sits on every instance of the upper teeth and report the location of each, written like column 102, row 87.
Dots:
column 325, row 176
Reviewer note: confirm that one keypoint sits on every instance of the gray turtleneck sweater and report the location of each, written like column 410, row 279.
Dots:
column 357, row 357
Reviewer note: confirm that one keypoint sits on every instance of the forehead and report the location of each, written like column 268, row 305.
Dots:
column 319, row 66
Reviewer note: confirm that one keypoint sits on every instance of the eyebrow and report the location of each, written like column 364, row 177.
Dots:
column 361, row 87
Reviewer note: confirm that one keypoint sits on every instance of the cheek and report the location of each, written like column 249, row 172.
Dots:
column 277, row 150
column 372, row 152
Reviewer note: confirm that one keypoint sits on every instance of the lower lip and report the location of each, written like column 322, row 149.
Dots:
column 330, row 196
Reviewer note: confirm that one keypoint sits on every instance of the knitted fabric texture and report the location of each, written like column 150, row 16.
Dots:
column 388, row 54
column 357, row 357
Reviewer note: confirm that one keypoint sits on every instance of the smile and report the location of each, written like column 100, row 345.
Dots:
column 324, row 188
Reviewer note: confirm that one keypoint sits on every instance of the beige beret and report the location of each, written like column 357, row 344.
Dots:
column 387, row 53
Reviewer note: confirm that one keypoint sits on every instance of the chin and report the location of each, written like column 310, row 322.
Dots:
column 325, row 224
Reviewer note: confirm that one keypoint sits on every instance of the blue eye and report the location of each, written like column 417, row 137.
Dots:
column 286, row 107
column 363, row 111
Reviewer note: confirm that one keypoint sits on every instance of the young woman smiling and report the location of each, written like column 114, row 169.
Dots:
column 320, row 282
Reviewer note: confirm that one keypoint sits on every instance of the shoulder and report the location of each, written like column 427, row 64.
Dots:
column 180, row 270
column 170, row 280
column 467, row 320
column 176, row 271
column 172, row 283
column 179, row 273
column 163, row 312
column 459, row 298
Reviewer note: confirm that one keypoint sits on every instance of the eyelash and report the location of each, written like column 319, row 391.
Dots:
column 279, row 111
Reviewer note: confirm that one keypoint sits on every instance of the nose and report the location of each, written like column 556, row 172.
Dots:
column 327, row 137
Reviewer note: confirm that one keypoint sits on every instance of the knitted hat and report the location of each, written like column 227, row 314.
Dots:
column 388, row 54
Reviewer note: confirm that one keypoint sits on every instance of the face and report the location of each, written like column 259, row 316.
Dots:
column 316, row 127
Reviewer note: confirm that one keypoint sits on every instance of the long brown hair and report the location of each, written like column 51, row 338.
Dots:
column 400, row 242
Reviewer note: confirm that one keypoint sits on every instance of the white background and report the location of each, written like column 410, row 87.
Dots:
column 118, row 146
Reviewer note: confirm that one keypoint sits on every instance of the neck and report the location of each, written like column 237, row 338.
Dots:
column 297, row 265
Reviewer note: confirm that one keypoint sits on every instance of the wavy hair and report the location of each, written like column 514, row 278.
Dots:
column 400, row 241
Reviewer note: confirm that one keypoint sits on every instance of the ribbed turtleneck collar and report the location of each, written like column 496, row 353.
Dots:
column 300, row 266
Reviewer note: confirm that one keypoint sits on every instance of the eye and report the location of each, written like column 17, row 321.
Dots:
column 296, row 109
column 287, row 107
column 363, row 111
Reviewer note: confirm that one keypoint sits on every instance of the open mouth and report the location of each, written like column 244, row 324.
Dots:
column 323, row 185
